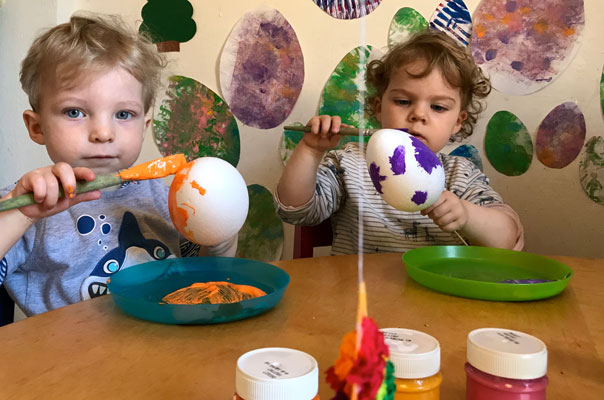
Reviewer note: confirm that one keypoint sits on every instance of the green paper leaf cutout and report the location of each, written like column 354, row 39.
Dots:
column 195, row 121
column 591, row 169
column 346, row 91
column 507, row 144
column 405, row 23
column 261, row 236
column 168, row 23
column 470, row 152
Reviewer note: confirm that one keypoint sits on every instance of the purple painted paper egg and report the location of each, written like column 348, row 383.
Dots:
column 262, row 69
column 560, row 136
column 404, row 171
column 523, row 45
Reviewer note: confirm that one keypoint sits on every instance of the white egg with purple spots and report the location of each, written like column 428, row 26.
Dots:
column 208, row 201
column 404, row 171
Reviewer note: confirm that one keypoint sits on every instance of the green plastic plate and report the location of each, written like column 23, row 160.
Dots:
column 487, row 273
column 138, row 290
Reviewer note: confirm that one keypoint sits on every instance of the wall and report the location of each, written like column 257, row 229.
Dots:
column 558, row 217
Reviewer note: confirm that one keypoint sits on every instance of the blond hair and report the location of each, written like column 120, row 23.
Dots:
column 87, row 45
column 438, row 51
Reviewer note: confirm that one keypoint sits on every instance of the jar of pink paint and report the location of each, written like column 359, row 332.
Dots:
column 503, row 364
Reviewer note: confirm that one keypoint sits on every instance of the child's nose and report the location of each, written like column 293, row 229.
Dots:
column 417, row 113
column 101, row 132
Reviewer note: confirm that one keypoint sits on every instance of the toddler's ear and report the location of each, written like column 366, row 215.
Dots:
column 32, row 123
column 377, row 107
column 460, row 120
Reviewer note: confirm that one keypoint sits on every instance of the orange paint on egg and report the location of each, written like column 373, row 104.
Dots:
column 541, row 26
column 159, row 168
column 190, row 206
column 179, row 215
column 568, row 31
column 524, row 10
column 480, row 30
column 199, row 188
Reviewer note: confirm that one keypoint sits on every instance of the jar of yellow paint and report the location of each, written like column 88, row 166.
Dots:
column 416, row 359
column 276, row 373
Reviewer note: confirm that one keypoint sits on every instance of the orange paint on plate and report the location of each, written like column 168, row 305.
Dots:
column 159, row 168
column 220, row 292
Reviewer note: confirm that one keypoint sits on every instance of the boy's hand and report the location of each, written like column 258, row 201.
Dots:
column 324, row 133
column 448, row 212
column 44, row 184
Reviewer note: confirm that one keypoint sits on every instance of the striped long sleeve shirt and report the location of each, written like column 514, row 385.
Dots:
column 344, row 184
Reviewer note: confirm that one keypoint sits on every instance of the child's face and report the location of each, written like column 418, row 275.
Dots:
column 97, row 123
column 428, row 107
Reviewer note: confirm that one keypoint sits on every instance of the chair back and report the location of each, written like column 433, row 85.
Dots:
column 308, row 237
column 7, row 307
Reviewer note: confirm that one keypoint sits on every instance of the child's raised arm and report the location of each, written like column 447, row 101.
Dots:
column 44, row 184
column 297, row 183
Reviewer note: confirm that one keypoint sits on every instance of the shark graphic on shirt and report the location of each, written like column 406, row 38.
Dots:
column 132, row 249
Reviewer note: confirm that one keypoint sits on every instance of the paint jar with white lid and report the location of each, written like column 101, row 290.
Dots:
column 276, row 373
column 416, row 359
column 503, row 364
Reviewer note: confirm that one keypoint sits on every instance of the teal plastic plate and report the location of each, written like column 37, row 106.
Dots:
column 139, row 290
column 487, row 273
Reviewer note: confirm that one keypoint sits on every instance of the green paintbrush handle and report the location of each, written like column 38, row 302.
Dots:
column 344, row 131
column 101, row 181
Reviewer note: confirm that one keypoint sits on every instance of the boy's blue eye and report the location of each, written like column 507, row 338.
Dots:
column 123, row 115
column 436, row 107
column 73, row 113
column 402, row 102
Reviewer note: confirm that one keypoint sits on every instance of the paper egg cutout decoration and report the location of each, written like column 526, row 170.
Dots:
column 208, row 201
column 404, row 171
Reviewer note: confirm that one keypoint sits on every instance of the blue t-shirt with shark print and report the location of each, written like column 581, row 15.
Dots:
column 68, row 257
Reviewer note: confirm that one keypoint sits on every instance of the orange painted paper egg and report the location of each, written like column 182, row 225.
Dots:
column 208, row 201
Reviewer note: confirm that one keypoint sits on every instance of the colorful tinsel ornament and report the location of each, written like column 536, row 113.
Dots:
column 369, row 369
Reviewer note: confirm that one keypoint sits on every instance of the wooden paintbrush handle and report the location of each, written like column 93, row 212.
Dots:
column 100, row 182
column 344, row 131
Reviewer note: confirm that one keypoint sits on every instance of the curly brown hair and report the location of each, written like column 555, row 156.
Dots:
column 440, row 51
column 86, row 45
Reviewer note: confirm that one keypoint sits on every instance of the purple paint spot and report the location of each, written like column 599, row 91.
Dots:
column 397, row 161
column 510, row 6
column 419, row 197
column 424, row 156
column 517, row 65
column 376, row 178
column 503, row 37
column 491, row 53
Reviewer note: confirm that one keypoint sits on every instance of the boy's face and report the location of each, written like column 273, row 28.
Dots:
column 97, row 123
column 428, row 107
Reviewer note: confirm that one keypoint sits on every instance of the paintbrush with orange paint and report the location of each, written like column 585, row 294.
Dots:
column 159, row 168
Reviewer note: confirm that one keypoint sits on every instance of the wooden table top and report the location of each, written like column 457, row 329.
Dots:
column 93, row 350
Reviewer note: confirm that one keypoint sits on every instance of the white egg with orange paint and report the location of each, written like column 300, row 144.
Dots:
column 208, row 201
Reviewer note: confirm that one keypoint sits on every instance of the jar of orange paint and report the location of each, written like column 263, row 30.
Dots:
column 276, row 373
column 416, row 359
